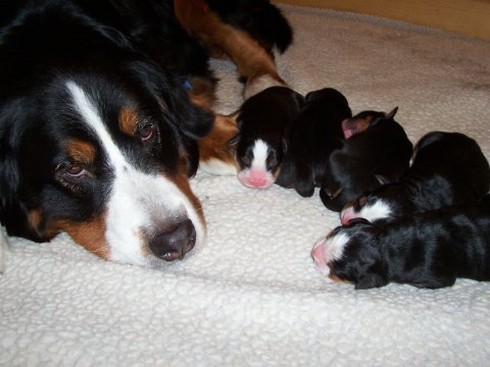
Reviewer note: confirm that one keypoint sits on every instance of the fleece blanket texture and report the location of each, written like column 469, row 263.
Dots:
column 251, row 296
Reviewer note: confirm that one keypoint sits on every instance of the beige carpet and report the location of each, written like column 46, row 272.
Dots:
column 251, row 296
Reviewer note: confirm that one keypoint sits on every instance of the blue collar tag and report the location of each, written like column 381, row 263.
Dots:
column 187, row 85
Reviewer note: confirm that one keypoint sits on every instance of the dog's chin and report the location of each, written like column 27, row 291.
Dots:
column 256, row 179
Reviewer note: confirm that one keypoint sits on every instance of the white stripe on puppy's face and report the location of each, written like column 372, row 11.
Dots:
column 257, row 176
column 370, row 211
column 328, row 250
column 139, row 203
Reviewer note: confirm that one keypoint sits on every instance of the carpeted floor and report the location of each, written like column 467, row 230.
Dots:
column 251, row 296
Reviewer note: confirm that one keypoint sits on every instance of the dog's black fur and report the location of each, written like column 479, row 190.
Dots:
column 313, row 136
column 371, row 156
column 448, row 169
column 121, row 54
column 266, row 116
column 262, row 20
column 427, row 250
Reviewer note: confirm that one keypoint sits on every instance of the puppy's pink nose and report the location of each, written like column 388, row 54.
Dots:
column 257, row 179
column 346, row 215
column 318, row 255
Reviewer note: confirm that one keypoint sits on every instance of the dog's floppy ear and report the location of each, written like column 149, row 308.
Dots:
column 13, row 213
column 172, row 95
column 193, row 121
column 9, row 171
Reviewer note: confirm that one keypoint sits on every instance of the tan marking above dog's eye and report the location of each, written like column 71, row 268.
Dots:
column 80, row 151
column 362, row 201
column 128, row 120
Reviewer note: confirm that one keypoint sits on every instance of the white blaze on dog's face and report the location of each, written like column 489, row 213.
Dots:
column 255, row 172
column 147, row 215
column 329, row 249
column 368, row 207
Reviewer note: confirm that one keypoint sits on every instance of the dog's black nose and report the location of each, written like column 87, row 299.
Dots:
column 174, row 243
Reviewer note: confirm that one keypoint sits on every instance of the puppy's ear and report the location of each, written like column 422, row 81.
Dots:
column 234, row 141
column 383, row 180
column 284, row 145
column 354, row 126
column 390, row 115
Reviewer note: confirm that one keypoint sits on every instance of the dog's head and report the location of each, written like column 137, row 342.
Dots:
column 104, row 155
column 351, row 253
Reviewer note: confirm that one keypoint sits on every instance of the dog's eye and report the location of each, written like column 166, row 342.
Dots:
column 272, row 162
column 76, row 170
column 147, row 132
column 71, row 172
column 246, row 161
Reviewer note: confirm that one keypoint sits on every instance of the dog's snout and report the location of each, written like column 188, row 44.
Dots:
column 174, row 243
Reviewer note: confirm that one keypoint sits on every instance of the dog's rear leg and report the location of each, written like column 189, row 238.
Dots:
column 253, row 62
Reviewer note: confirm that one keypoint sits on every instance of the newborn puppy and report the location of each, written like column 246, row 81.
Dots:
column 427, row 250
column 262, row 121
column 313, row 136
column 447, row 169
column 377, row 149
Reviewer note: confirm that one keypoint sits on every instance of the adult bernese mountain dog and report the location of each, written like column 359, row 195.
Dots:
column 104, row 107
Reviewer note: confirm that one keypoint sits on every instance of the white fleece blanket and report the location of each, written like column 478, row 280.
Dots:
column 251, row 296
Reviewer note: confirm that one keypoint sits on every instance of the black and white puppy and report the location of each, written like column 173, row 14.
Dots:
column 313, row 136
column 447, row 169
column 427, row 250
column 261, row 144
column 377, row 150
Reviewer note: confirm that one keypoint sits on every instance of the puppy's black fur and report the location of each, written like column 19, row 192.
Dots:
column 427, row 250
column 448, row 169
column 314, row 135
column 266, row 116
column 382, row 149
